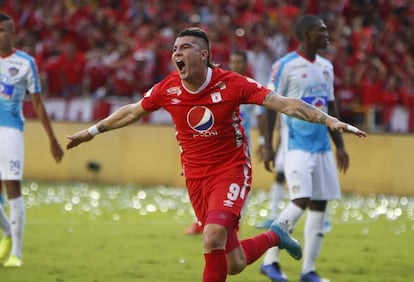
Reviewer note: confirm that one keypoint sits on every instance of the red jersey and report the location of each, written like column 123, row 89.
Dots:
column 208, row 123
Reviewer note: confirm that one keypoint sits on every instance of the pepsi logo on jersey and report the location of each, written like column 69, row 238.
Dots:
column 200, row 118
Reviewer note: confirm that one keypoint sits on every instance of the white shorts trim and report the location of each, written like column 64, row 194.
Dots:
column 11, row 154
column 312, row 175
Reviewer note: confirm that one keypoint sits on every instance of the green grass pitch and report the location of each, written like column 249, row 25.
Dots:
column 90, row 233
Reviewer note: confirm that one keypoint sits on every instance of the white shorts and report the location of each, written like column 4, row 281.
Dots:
column 11, row 154
column 311, row 175
column 280, row 159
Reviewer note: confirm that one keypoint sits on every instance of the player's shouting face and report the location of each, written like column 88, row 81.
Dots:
column 190, row 56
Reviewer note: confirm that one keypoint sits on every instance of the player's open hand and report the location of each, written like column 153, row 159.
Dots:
column 340, row 126
column 355, row 130
column 56, row 150
column 78, row 138
column 269, row 159
column 342, row 160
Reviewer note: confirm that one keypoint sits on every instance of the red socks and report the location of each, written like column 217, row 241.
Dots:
column 215, row 269
column 256, row 246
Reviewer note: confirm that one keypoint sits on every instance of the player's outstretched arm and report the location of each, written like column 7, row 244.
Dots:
column 38, row 106
column 122, row 117
column 299, row 109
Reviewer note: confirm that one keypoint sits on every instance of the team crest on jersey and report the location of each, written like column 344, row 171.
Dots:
column 200, row 118
column 13, row 71
column 216, row 97
column 174, row 91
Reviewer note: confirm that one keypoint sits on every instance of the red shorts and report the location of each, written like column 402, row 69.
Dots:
column 219, row 193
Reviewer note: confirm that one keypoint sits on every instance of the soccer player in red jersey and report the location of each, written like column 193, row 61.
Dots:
column 204, row 101
column 237, row 63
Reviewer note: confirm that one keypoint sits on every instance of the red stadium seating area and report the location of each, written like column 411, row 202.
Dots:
column 95, row 55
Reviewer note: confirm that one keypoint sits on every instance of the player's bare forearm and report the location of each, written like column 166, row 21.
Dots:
column 122, row 117
column 269, row 122
column 335, row 135
column 55, row 148
column 296, row 108
column 307, row 112
column 268, row 126
column 299, row 109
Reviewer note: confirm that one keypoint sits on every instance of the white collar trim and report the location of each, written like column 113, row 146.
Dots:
column 204, row 85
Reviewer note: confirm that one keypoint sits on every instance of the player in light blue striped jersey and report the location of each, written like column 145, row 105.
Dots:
column 18, row 76
column 310, row 169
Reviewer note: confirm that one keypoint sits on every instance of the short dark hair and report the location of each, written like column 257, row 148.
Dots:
column 5, row 17
column 304, row 24
column 241, row 53
column 8, row 19
column 200, row 33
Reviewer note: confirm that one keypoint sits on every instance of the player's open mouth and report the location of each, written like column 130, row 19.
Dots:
column 180, row 64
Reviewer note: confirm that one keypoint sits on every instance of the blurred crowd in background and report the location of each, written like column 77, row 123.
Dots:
column 109, row 52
